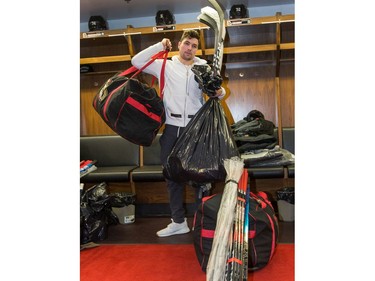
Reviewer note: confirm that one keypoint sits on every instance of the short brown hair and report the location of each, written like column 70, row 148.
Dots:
column 190, row 33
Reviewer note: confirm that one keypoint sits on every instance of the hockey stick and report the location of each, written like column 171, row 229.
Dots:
column 209, row 78
column 235, row 268
column 216, row 14
column 241, row 211
column 219, row 48
column 220, row 246
column 246, row 235
column 212, row 15
column 208, row 20
column 228, row 265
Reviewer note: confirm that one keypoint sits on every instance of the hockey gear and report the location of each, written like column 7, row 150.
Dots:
column 253, row 115
column 208, row 83
column 211, row 17
column 97, row 23
column 213, row 85
column 208, row 20
column 164, row 17
column 209, row 79
column 223, row 237
column 219, row 47
column 238, row 12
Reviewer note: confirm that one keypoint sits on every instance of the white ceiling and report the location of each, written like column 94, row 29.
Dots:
column 123, row 9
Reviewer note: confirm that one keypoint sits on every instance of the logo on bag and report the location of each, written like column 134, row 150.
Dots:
column 103, row 93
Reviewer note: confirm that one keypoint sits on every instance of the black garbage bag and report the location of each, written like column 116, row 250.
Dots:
column 286, row 194
column 199, row 152
column 94, row 226
column 96, row 212
column 122, row 199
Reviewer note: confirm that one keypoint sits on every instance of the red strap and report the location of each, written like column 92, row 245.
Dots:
column 128, row 71
column 153, row 58
column 204, row 199
column 162, row 81
column 206, row 233
column 143, row 109
column 234, row 260
column 132, row 69
column 263, row 195
column 241, row 199
column 161, row 55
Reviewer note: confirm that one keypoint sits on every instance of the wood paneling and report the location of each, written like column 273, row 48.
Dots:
column 287, row 89
column 91, row 122
column 251, row 88
column 248, row 88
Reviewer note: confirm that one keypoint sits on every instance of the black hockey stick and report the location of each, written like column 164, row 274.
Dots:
column 208, row 20
column 207, row 77
column 211, row 16
column 219, row 48
column 236, row 267
column 246, row 235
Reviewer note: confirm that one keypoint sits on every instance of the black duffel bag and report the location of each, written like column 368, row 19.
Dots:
column 131, row 108
column 263, row 230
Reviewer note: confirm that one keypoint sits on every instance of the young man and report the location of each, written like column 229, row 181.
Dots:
column 182, row 99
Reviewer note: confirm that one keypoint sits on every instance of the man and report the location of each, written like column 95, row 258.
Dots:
column 182, row 99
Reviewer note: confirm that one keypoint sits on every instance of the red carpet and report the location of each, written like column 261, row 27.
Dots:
column 168, row 262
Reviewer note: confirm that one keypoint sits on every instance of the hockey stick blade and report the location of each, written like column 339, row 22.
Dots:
column 214, row 16
column 219, row 49
column 211, row 15
column 212, row 24
column 208, row 21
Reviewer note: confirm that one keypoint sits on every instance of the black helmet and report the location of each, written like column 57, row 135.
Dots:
column 97, row 23
column 164, row 17
column 238, row 12
column 254, row 114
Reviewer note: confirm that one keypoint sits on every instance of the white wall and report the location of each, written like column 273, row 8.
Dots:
column 192, row 17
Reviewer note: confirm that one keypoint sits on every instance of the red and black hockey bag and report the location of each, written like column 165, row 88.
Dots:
column 131, row 108
column 263, row 230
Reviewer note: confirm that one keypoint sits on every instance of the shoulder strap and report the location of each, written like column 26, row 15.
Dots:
column 162, row 71
column 161, row 55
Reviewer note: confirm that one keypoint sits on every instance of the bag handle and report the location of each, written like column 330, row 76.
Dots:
column 161, row 55
column 162, row 81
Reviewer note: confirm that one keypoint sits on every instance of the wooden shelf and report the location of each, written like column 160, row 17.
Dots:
column 105, row 59
column 177, row 28
column 286, row 46
column 272, row 19
column 181, row 27
column 131, row 32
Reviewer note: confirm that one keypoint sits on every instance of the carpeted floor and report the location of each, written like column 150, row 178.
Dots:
column 168, row 262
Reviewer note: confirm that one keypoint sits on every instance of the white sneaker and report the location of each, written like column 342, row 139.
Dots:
column 173, row 229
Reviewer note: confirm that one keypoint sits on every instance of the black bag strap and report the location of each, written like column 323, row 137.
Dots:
column 161, row 55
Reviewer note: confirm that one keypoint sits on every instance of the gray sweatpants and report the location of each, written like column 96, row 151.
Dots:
column 175, row 189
